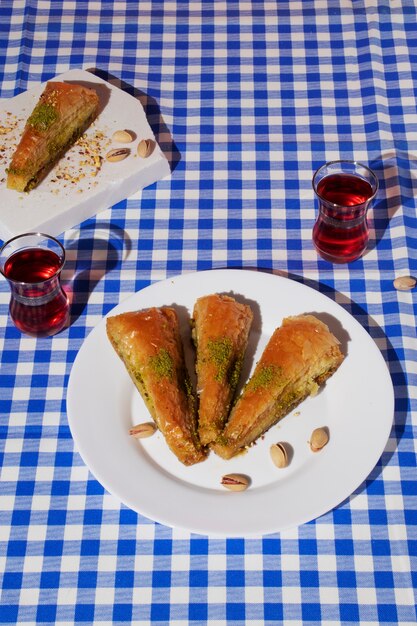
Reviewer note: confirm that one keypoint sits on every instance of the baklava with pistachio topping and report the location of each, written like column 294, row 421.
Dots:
column 220, row 331
column 298, row 358
column 150, row 346
column 62, row 114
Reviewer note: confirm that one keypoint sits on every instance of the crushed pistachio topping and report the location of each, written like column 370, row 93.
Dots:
column 222, row 440
column 263, row 377
column 188, row 389
column 235, row 374
column 220, row 351
column 162, row 364
column 43, row 116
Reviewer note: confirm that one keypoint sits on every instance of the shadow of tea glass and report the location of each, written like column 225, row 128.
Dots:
column 32, row 265
column 344, row 190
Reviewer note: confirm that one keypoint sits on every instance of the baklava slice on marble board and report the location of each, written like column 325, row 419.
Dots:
column 62, row 114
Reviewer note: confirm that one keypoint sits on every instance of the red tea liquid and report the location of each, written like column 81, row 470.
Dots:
column 38, row 304
column 341, row 232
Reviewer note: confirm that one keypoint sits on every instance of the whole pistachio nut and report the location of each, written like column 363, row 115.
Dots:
column 117, row 154
column 235, row 482
column 122, row 136
column 319, row 438
column 404, row 283
column 279, row 455
column 141, row 431
column 145, row 148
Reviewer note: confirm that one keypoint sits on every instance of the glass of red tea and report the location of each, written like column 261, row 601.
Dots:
column 344, row 190
column 32, row 264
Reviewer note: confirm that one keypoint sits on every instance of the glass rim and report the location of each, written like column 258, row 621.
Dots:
column 32, row 234
column 341, row 162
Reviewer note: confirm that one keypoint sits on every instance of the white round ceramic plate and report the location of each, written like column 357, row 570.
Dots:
column 356, row 405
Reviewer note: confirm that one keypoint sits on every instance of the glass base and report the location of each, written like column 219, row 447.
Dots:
column 339, row 260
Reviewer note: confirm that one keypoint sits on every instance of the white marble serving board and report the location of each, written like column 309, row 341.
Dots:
column 63, row 199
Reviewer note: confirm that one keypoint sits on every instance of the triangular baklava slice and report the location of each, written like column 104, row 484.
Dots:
column 220, row 331
column 299, row 357
column 149, row 344
column 63, row 112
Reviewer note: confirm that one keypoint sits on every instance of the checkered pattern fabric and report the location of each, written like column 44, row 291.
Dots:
column 248, row 98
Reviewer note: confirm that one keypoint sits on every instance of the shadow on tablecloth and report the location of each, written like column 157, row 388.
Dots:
column 92, row 251
column 396, row 191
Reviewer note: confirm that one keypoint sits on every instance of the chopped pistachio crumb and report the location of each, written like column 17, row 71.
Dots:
column 162, row 364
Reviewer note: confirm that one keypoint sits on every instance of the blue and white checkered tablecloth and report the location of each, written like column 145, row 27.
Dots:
column 248, row 97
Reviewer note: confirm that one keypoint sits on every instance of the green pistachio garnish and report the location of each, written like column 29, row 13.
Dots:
column 220, row 351
column 263, row 377
column 162, row 364
column 42, row 117
column 235, row 373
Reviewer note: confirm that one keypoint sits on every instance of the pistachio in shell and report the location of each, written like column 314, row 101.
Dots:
column 122, row 136
column 319, row 438
column 404, row 283
column 142, row 431
column 145, row 148
column 235, row 482
column 117, row 154
column 279, row 454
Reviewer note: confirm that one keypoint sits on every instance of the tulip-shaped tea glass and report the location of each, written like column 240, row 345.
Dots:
column 32, row 265
column 344, row 190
